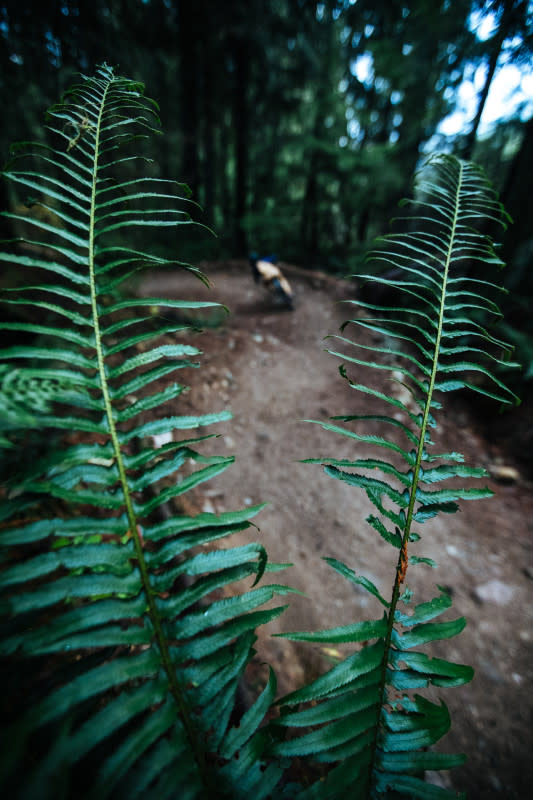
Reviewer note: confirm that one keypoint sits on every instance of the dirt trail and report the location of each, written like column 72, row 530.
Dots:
column 269, row 367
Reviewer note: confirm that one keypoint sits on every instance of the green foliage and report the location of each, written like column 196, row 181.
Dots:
column 327, row 95
column 130, row 616
column 123, row 635
column 364, row 716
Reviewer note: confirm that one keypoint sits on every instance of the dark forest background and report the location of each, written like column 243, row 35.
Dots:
column 286, row 149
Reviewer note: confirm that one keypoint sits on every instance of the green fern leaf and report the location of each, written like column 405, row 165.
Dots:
column 137, row 614
column 362, row 716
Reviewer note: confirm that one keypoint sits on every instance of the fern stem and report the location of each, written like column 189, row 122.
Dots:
column 402, row 564
column 152, row 610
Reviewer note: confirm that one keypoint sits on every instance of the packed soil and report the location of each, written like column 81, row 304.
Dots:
column 268, row 365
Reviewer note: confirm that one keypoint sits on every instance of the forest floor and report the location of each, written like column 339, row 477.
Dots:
column 269, row 367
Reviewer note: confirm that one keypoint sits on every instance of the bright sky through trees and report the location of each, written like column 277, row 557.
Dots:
column 511, row 90
column 510, row 95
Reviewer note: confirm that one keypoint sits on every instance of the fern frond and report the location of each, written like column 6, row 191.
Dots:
column 137, row 615
column 363, row 717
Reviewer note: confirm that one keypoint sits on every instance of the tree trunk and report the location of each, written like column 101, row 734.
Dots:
column 210, row 164
column 240, row 112
column 309, row 222
column 362, row 224
column 518, row 201
column 317, row 162
column 188, row 37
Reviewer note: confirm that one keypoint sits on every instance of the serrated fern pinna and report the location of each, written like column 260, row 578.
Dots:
column 364, row 716
column 122, row 642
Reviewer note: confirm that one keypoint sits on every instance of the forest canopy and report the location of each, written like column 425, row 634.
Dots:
column 299, row 125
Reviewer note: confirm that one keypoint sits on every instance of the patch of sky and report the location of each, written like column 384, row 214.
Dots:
column 483, row 24
column 363, row 69
column 354, row 129
column 511, row 88
column 511, row 92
